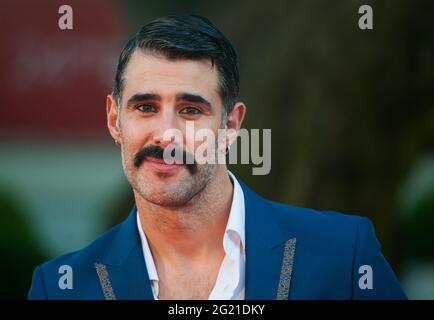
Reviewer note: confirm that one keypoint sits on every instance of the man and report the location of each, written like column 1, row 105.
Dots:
column 196, row 232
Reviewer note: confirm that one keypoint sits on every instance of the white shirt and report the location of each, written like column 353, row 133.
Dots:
column 230, row 283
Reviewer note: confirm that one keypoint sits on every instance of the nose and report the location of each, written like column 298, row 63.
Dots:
column 167, row 129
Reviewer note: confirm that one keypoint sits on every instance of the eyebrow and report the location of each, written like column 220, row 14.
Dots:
column 193, row 98
column 143, row 96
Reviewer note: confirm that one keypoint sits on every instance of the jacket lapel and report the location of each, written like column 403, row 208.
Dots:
column 270, row 253
column 123, row 274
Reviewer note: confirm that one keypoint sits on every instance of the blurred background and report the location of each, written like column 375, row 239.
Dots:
column 351, row 113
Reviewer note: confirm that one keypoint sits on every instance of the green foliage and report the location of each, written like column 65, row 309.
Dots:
column 20, row 254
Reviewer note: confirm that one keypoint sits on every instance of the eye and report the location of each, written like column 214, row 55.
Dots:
column 191, row 111
column 146, row 108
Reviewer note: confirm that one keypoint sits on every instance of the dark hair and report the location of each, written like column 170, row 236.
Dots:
column 186, row 37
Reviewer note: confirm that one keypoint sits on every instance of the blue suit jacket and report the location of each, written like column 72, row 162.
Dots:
column 291, row 253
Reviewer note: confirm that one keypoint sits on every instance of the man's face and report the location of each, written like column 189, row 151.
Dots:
column 160, row 95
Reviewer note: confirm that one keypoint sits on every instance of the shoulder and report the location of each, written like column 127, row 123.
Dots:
column 320, row 228
column 96, row 250
column 346, row 249
column 314, row 219
column 78, row 265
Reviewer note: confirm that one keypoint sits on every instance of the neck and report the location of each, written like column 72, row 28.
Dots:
column 193, row 231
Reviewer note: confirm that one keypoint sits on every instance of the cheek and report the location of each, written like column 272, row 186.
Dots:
column 204, row 133
column 204, row 142
column 133, row 136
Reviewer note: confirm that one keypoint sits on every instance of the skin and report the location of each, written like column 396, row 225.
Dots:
column 183, row 215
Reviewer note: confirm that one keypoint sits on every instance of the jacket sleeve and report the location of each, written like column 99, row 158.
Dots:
column 373, row 278
column 37, row 290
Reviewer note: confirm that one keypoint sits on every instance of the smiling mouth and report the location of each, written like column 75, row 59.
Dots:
column 160, row 166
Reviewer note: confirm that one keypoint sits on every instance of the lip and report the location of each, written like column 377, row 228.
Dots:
column 162, row 167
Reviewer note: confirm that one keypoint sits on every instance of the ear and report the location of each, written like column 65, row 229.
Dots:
column 112, row 118
column 235, row 120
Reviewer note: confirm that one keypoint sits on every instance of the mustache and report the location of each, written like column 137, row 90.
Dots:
column 157, row 152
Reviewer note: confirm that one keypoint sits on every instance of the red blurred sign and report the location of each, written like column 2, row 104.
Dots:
column 54, row 82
